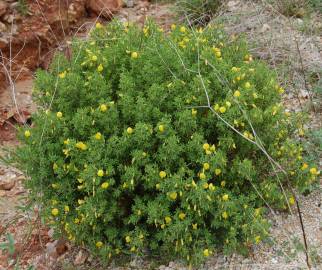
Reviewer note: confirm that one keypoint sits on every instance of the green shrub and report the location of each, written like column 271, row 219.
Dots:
column 198, row 12
column 124, row 155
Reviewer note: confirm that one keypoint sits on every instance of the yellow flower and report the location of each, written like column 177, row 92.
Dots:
column 100, row 173
column 98, row 25
column 291, row 200
column 129, row 130
column 247, row 85
column 100, row 68
column 27, row 133
column 54, row 186
column 222, row 109
column 161, row 128
column 182, row 216
column 76, row 221
column 211, row 187
column 237, row 93
column 194, row 226
column 305, row 166
column 182, row 45
column 103, row 107
column 217, row 171
column 162, row 174
column 81, row 146
column 206, row 252
column 217, row 52
column 206, row 166
column 128, row 239
column 134, row 55
column 202, row 176
column 94, row 58
column 206, row 146
column 173, row 195
column 222, row 183
column 173, row 27
column 66, row 142
column 80, row 202
column 157, row 186
column 257, row 239
column 248, row 135
column 200, row 30
column 99, row 244
column 205, row 185
column 193, row 183
column 62, row 75
column 213, row 148
column 194, row 112
column 281, row 90
column 54, row 202
column 59, row 115
column 105, row 185
column 54, row 212
column 183, row 29
column 314, row 171
column 225, row 197
column 224, row 215
column 167, row 219
column 66, row 208
column 248, row 57
column 98, row 136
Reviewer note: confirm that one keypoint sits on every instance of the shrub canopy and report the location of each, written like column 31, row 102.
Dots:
column 126, row 156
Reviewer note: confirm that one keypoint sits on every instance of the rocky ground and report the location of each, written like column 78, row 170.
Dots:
column 28, row 39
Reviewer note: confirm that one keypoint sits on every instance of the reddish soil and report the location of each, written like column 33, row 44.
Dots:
column 44, row 29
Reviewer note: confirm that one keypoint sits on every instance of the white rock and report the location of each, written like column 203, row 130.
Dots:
column 51, row 233
column 265, row 28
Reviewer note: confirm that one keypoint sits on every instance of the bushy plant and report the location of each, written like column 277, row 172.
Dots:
column 126, row 156
column 198, row 12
